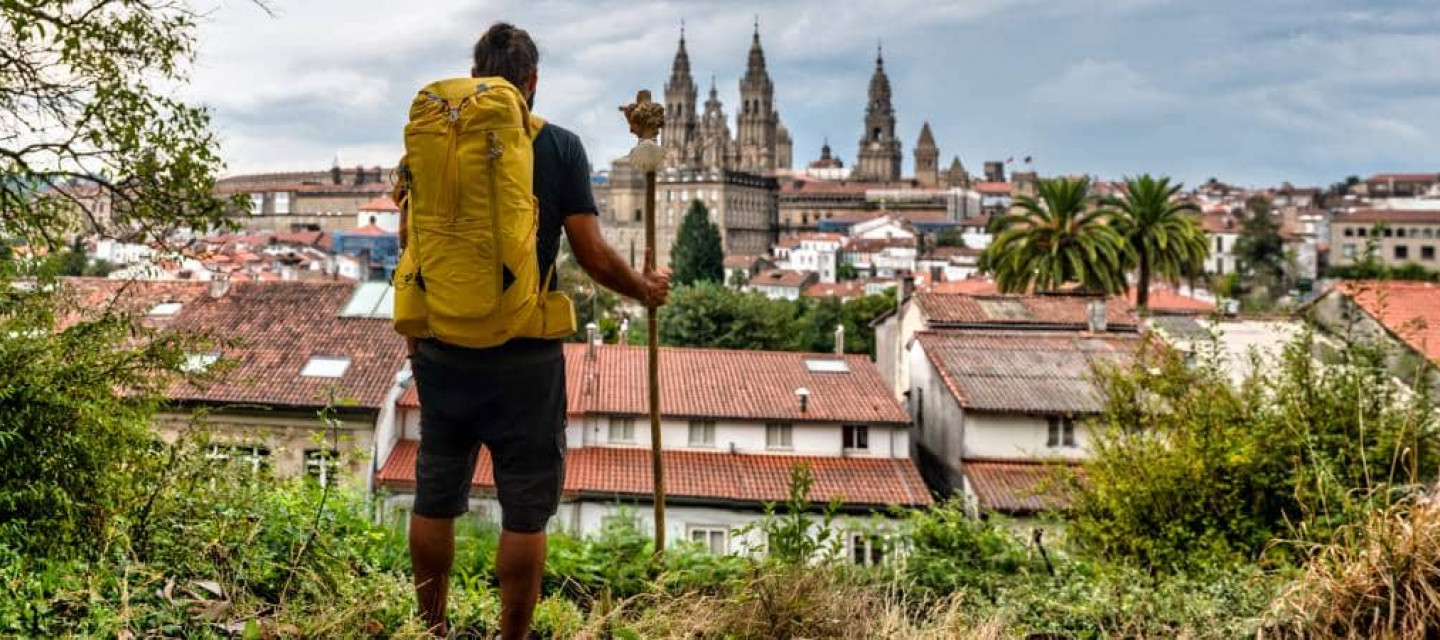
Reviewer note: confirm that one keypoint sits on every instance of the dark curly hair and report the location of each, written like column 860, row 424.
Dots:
column 506, row 51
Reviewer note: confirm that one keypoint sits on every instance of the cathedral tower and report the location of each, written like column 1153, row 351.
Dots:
column 715, row 144
column 680, row 136
column 927, row 159
column 880, row 153
column 757, row 123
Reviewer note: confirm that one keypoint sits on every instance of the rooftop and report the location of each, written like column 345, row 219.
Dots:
column 1409, row 310
column 1390, row 216
column 781, row 278
column 1046, row 310
column 1019, row 487
column 625, row 472
column 1030, row 372
column 279, row 330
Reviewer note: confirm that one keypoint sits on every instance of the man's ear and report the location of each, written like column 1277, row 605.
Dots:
column 533, row 82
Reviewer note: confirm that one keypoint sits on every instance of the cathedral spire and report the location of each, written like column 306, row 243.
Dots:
column 679, row 136
column 880, row 152
column 759, row 136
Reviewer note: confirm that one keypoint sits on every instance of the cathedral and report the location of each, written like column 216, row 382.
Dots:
column 701, row 141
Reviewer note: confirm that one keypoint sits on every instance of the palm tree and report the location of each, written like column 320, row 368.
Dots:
column 1059, row 237
column 1160, row 230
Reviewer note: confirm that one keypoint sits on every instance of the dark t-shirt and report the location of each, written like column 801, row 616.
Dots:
column 562, row 184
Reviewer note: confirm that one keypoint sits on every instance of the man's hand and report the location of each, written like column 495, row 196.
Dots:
column 657, row 288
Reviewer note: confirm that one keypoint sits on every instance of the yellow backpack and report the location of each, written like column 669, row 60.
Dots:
column 469, row 273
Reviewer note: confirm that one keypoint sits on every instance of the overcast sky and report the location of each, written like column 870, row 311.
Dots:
column 1249, row 91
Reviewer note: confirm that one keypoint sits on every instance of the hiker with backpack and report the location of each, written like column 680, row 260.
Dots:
column 485, row 189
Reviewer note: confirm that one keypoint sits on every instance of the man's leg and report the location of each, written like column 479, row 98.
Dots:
column 432, row 551
column 520, row 563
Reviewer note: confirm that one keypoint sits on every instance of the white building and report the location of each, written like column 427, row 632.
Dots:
column 813, row 252
column 1222, row 231
column 380, row 212
column 782, row 283
column 882, row 228
column 998, row 412
column 735, row 424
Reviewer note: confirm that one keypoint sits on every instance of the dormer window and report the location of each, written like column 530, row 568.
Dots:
column 325, row 367
column 165, row 309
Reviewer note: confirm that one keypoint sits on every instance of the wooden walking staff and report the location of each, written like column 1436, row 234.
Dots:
column 646, row 118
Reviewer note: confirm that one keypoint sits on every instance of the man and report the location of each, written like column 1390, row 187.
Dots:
column 510, row 398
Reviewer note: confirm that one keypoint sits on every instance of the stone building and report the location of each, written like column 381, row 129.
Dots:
column 307, row 200
column 880, row 153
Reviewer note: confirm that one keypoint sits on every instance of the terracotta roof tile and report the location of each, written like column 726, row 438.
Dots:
column 782, row 278
column 718, row 383
column 1404, row 177
column 1056, row 310
column 280, row 326
column 1018, row 371
column 1164, row 300
column 851, row 289
column 1409, row 310
column 1018, row 487
column 994, row 188
column 93, row 295
column 382, row 203
column 613, row 471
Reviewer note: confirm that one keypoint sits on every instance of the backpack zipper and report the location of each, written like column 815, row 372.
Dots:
column 495, row 152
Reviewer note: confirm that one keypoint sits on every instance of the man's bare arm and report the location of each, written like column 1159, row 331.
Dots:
column 608, row 268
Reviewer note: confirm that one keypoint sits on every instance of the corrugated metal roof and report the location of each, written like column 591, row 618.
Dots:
column 1025, row 372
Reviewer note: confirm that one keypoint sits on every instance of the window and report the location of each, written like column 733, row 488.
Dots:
column 1219, row 244
column 622, row 430
column 1429, row 233
column 320, row 464
column 1427, row 252
column 857, row 437
column 715, row 538
column 1349, row 250
column 282, row 202
column 1389, row 233
column 165, row 309
column 702, row 433
column 257, row 204
column 1061, row 432
column 325, row 367
column 1402, row 252
column 256, row 458
column 867, row 549
column 1362, row 231
column 778, row 435
column 1349, row 232
column 199, row 362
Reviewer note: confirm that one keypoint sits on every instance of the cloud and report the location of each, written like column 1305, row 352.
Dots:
column 1095, row 90
column 1253, row 91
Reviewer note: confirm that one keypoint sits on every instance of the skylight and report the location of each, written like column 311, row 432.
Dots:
column 199, row 362
column 166, row 309
column 371, row 300
column 325, row 367
column 827, row 366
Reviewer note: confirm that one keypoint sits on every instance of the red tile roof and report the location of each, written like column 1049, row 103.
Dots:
column 718, row 383
column 1019, row 487
column 946, row 253
column 608, row 471
column 782, row 278
column 1164, row 300
column 1390, row 216
column 369, row 230
column 1024, row 372
column 382, row 203
column 972, row 286
column 1223, row 222
column 95, row 295
column 851, row 289
column 1053, row 310
column 993, row 188
column 1409, row 310
column 279, row 326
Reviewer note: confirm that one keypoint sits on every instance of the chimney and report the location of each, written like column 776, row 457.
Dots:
column 624, row 331
column 839, row 339
column 1096, row 319
column 219, row 285
column 592, row 336
column 804, row 395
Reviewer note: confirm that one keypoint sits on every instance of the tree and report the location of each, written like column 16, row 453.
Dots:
column 92, row 142
column 739, row 278
column 951, row 237
column 846, row 272
column 1163, row 238
column 1062, row 236
column 1259, row 246
column 592, row 303
column 697, row 256
column 87, row 122
column 710, row 315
